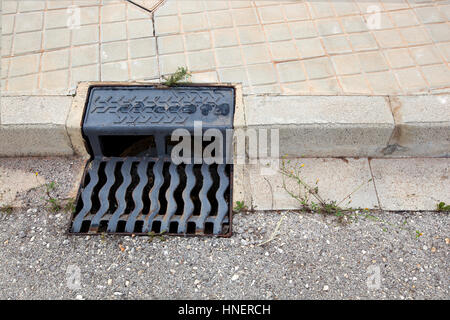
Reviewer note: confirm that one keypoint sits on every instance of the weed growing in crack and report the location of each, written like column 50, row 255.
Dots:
column 54, row 205
column 442, row 207
column 70, row 205
column 182, row 74
column 57, row 204
column 152, row 235
column 240, row 206
column 311, row 201
column 8, row 209
column 309, row 197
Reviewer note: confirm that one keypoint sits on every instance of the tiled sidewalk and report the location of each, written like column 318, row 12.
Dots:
column 289, row 47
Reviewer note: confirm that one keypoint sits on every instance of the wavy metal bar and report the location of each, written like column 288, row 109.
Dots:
column 120, row 195
column 203, row 196
column 104, row 192
column 86, row 196
column 137, row 195
column 154, row 194
column 222, row 204
column 188, row 204
column 171, row 203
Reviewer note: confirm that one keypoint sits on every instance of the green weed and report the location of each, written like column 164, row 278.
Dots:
column 441, row 206
column 239, row 206
column 182, row 74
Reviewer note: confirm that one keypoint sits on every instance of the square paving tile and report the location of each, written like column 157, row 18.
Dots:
column 291, row 71
column 251, row 34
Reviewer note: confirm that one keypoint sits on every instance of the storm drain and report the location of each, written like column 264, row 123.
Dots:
column 131, row 185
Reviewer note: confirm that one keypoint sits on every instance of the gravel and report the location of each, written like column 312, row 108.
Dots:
column 312, row 258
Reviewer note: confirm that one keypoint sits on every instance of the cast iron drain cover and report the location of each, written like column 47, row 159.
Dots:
column 131, row 185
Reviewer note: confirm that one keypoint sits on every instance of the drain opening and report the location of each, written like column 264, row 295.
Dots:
column 138, row 226
column 146, row 191
column 209, row 228
column 162, row 194
column 195, row 193
column 213, row 190
column 156, row 227
column 128, row 146
column 178, row 193
column 190, row 228
column 121, row 226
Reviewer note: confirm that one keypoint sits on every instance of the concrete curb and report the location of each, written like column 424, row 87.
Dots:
column 394, row 184
column 309, row 126
column 34, row 126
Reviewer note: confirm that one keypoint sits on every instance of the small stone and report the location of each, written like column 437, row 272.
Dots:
column 234, row 277
column 109, row 282
column 325, row 288
column 127, row 283
column 79, row 297
column 433, row 249
column 117, row 293
column 447, row 240
column 198, row 281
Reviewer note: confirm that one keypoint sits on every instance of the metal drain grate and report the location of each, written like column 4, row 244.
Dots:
column 131, row 186
column 140, row 195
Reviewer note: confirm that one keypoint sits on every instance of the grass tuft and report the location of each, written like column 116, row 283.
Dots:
column 182, row 74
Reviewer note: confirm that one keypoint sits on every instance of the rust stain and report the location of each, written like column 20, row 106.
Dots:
column 395, row 141
column 396, row 107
